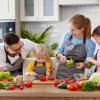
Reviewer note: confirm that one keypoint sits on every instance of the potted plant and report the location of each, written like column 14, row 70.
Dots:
column 36, row 37
column 52, row 48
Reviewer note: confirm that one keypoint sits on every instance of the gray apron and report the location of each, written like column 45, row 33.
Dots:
column 17, row 66
column 39, row 70
column 77, row 53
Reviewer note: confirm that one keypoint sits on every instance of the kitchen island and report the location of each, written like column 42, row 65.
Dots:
column 47, row 92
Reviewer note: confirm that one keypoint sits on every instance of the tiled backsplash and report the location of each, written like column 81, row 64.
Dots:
column 60, row 27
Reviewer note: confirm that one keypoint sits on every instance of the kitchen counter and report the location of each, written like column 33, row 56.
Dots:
column 47, row 92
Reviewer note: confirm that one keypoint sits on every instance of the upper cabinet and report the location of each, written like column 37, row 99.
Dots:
column 7, row 9
column 38, row 10
column 76, row 2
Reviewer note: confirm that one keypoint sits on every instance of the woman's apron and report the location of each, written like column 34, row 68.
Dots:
column 77, row 53
column 16, row 67
column 40, row 70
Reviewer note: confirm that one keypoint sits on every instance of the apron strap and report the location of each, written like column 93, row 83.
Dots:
column 84, row 39
column 7, row 59
column 96, row 59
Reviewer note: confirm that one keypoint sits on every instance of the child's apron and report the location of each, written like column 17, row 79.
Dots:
column 97, row 57
column 17, row 66
column 40, row 70
column 77, row 53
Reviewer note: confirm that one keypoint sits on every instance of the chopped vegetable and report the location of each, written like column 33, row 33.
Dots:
column 62, row 85
column 69, row 63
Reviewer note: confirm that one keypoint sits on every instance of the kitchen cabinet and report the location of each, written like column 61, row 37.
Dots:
column 77, row 2
column 7, row 9
column 38, row 10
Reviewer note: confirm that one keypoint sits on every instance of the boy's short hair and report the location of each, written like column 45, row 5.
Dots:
column 11, row 38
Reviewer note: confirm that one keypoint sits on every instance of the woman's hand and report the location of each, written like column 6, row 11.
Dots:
column 81, row 65
column 62, row 59
column 90, row 59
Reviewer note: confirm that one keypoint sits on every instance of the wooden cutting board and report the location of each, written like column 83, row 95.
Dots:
column 38, row 82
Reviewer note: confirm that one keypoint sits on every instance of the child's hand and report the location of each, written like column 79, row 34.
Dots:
column 90, row 59
column 19, row 78
column 30, row 73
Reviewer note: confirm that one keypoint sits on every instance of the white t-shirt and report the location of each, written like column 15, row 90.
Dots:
column 27, row 47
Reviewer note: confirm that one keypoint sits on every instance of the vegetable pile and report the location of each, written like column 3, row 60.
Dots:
column 76, row 85
column 14, row 85
column 43, row 78
column 5, row 77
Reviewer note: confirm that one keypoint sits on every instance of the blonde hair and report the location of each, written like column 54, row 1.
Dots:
column 41, row 51
column 80, row 21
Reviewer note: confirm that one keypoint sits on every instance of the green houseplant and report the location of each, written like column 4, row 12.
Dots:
column 52, row 48
column 37, row 37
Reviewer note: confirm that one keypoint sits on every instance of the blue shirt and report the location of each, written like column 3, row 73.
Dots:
column 90, row 45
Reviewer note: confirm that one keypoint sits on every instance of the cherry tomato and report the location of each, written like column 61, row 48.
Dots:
column 42, row 78
column 71, row 88
column 79, row 86
column 11, row 87
column 28, row 84
column 68, row 79
column 76, row 86
column 21, row 87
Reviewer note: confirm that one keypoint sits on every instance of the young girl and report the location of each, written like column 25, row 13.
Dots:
column 42, row 65
column 75, row 44
column 96, row 38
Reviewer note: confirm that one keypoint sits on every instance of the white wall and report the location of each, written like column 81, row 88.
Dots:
column 60, row 27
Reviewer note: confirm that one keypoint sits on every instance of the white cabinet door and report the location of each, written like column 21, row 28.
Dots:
column 76, row 2
column 4, row 9
column 7, row 9
column 38, row 10
column 29, row 10
column 11, row 9
column 48, row 10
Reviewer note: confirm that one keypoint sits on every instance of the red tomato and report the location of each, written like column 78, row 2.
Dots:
column 79, row 86
column 42, row 78
column 76, row 86
column 71, row 87
column 68, row 80
column 28, row 84
column 56, row 82
column 11, row 87
column 51, row 78
column 21, row 87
